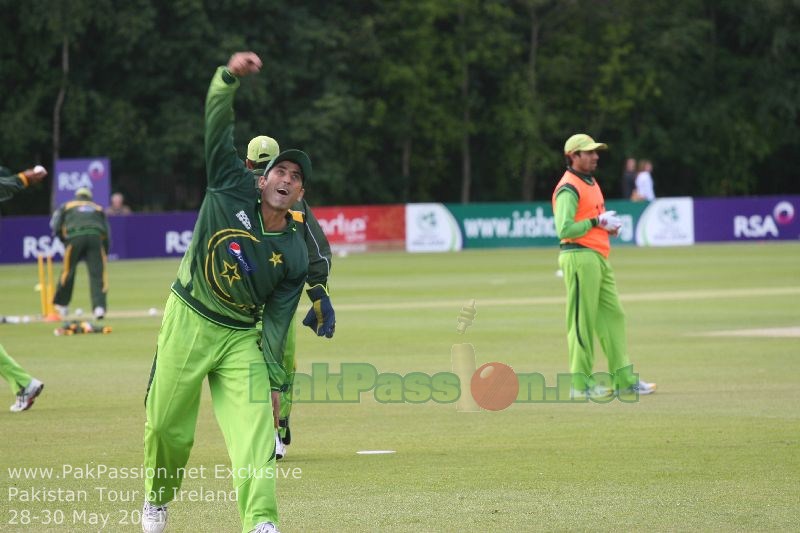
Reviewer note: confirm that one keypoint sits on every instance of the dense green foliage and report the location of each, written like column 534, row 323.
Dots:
column 410, row 100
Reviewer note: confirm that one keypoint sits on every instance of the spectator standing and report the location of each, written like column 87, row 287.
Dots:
column 644, row 182
column 118, row 207
column 629, row 178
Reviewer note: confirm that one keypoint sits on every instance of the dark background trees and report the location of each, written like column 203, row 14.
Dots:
column 410, row 100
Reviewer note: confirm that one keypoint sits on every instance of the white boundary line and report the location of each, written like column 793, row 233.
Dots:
column 671, row 296
column 790, row 332
column 550, row 300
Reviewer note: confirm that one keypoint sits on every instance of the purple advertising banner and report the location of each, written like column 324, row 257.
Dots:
column 140, row 236
column 763, row 218
column 22, row 239
column 72, row 174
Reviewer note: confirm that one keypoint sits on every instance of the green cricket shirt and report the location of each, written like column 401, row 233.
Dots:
column 234, row 269
column 10, row 184
column 80, row 217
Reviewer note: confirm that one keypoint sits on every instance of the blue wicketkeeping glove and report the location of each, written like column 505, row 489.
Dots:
column 320, row 317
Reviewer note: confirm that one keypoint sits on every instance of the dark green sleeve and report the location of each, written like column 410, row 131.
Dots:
column 107, row 231
column 10, row 184
column 319, row 249
column 56, row 221
column 566, row 207
column 223, row 166
column 278, row 313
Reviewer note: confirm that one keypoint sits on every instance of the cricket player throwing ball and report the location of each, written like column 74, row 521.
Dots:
column 26, row 387
column 247, row 262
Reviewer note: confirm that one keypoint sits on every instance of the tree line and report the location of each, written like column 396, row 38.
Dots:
column 409, row 100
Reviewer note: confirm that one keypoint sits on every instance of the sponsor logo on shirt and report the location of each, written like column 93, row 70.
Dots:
column 242, row 216
column 235, row 249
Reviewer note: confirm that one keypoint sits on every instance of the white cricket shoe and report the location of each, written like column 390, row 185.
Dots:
column 154, row 519
column 641, row 388
column 265, row 527
column 280, row 448
column 62, row 310
column 645, row 388
column 99, row 312
column 596, row 393
column 27, row 395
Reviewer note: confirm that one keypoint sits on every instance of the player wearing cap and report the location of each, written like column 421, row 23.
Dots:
column 82, row 226
column 593, row 305
column 247, row 262
column 26, row 387
column 321, row 317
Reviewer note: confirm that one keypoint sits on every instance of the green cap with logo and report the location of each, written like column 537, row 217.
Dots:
column 262, row 149
column 295, row 156
column 580, row 142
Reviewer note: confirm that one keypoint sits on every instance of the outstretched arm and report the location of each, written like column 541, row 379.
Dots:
column 223, row 165
column 11, row 184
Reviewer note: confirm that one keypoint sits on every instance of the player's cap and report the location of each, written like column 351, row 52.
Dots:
column 580, row 142
column 295, row 156
column 262, row 148
column 83, row 193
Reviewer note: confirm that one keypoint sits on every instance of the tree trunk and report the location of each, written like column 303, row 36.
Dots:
column 405, row 165
column 62, row 92
column 528, row 174
column 466, row 161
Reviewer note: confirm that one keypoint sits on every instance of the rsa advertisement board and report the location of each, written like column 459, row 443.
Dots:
column 763, row 218
column 72, row 174
column 436, row 227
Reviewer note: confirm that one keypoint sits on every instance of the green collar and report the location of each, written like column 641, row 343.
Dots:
column 585, row 177
column 290, row 224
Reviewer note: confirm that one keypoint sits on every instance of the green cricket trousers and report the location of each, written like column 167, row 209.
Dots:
column 189, row 349
column 13, row 373
column 87, row 248
column 593, row 308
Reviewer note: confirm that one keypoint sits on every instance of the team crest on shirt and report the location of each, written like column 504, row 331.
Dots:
column 243, row 218
column 235, row 249
column 276, row 259
column 220, row 272
column 230, row 272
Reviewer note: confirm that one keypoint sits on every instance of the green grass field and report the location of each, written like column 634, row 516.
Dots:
column 715, row 449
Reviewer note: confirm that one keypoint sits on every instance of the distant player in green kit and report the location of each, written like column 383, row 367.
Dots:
column 247, row 262
column 593, row 305
column 321, row 317
column 27, row 388
column 82, row 226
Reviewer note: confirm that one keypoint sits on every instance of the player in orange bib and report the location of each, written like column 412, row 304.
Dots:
column 593, row 305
